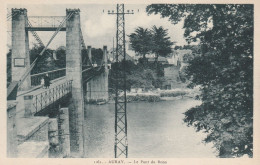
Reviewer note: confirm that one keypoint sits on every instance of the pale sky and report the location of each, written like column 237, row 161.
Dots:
column 99, row 28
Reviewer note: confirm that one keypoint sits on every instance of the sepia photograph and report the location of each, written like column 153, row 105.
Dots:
column 129, row 80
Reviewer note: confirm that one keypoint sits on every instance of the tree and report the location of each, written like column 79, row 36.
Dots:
column 97, row 55
column 136, row 75
column 178, row 47
column 141, row 41
column 61, row 57
column 223, row 70
column 161, row 42
column 45, row 62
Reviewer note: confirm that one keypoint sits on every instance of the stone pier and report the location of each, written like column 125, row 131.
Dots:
column 97, row 87
column 74, row 72
column 64, row 134
column 11, row 130
column 53, row 135
column 20, row 47
column 28, row 106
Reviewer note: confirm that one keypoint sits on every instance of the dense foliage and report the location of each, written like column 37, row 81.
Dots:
column 61, row 57
column 155, row 40
column 137, row 75
column 141, row 41
column 223, row 70
column 97, row 55
column 161, row 42
column 45, row 62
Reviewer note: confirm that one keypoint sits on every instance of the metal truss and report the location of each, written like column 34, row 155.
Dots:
column 121, row 142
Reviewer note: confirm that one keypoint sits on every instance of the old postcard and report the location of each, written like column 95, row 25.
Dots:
column 130, row 82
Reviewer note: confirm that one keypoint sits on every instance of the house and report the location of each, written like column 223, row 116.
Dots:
column 161, row 60
column 171, row 70
column 136, row 90
column 177, row 55
column 171, row 75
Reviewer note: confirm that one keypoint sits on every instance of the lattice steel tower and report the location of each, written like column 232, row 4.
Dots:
column 121, row 143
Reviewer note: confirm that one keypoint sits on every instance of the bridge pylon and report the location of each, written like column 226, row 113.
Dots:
column 20, row 47
column 74, row 72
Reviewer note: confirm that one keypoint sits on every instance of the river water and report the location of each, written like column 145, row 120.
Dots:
column 154, row 130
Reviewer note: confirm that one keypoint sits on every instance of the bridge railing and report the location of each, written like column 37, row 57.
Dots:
column 54, row 74
column 48, row 97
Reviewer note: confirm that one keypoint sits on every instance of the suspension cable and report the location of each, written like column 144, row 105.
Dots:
column 8, row 15
column 82, row 40
column 36, row 36
column 102, row 62
column 56, row 32
column 45, row 48
column 84, row 47
column 11, row 16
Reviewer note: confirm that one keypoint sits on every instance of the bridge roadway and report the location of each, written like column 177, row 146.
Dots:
column 41, row 98
column 37, row 91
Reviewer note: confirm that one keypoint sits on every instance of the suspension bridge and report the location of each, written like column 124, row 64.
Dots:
column 79, row 82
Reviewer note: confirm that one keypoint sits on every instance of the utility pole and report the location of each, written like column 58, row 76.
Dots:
column 113, row 50
column 121, row 143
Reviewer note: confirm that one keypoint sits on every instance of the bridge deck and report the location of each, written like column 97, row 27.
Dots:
column 59, row 89
column 44, row 97
column 37, row 90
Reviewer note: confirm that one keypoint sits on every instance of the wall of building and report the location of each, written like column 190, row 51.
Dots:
column 171, row 74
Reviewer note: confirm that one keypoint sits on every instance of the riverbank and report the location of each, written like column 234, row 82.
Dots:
column 160, row 95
